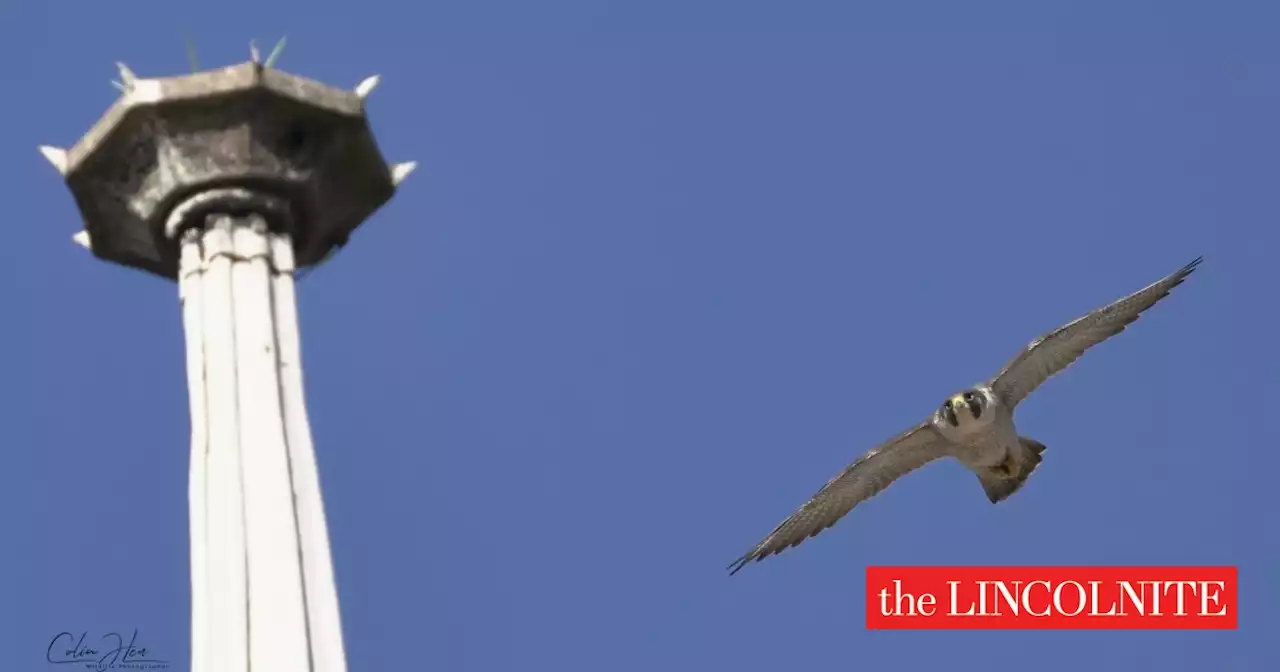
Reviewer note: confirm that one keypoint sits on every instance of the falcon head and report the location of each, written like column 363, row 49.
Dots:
column 964, row 408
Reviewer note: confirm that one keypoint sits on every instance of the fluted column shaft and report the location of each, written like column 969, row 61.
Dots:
column 263, row 593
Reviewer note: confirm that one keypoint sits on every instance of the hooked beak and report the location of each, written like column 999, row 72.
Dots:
column 959, row 402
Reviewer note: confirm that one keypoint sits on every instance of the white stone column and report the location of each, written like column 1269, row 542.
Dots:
column 263, row 593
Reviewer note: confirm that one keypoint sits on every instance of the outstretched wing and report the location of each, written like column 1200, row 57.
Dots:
column 866, row 477
column 1055, row 351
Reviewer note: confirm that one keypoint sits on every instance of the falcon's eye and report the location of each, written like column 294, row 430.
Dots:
column 947, row 404
column 968, row 396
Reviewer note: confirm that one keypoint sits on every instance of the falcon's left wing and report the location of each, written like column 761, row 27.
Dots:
column 1055, row 351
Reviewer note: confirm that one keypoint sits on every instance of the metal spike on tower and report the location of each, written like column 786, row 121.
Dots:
column 228, row 181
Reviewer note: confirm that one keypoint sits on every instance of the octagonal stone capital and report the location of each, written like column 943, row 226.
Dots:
column 174, row 141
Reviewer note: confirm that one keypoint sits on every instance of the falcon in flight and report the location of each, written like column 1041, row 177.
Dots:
column 975, row 426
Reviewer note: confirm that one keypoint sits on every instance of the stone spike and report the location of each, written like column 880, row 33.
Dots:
column 82, row 239
column 57, row 156
column 192, row 60
column 401, row 170
column 275, row 52
column 364, row 88
column 126, row 75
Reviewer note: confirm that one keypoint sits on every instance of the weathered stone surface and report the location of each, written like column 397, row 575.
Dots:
column 246, row 127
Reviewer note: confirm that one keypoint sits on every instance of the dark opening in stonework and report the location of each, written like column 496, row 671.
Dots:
column 295, row 139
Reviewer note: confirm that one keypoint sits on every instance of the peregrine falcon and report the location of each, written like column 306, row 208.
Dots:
column 975, row 426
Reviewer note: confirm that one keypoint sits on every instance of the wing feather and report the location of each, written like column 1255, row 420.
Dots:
column 1055, row 351
column 861, row 480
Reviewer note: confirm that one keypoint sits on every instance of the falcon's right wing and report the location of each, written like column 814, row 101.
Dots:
column 864, row 478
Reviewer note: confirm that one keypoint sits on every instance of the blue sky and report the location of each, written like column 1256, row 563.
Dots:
column 664, row 269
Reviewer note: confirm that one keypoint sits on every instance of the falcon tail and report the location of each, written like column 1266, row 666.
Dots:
column 998, row 485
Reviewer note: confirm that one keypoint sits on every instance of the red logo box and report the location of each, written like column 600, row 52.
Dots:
column 1051, row 598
